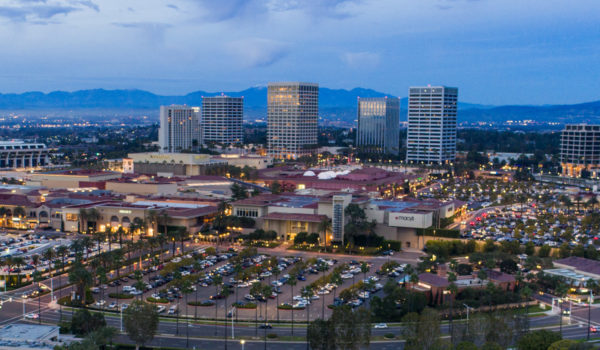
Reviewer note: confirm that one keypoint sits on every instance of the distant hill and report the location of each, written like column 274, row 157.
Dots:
column 335, row 104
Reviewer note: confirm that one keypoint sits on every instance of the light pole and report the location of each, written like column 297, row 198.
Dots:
column 242, row 342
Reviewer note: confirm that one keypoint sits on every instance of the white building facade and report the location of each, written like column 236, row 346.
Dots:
column 179, row 129
column 222, row 118
column 18, row 154
column 431, row 136
column 293, row 110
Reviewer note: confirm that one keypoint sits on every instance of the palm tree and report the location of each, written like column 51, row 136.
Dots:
column 92, row 215
column 452, row 289
column 325, row 226
column 256, row 291
column 82, row 278
column 151, row 219
column 267, row 291
column 83, row 220
column 18, row 262
column 276, row 272
column 217, row 280
column 87, row 244
column 336, row 280
column 292, row 282
column 3, row 213
column 526, row 293
column 120, row 232
column 561, row 291
column 307, row 293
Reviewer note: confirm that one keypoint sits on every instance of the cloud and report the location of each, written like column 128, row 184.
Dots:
column 153, row 31
column 362, row 59
column 224, row 10
column 40, row 11
column 257, row 52
column 173, row 6
column 89, row 4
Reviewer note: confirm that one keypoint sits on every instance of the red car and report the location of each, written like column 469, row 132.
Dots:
column 593, row 329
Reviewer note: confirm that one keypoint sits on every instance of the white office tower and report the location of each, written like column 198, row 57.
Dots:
column 222, row 118
column 378, row 125
column 293, row 110
column 179, row 129
column 431, row 124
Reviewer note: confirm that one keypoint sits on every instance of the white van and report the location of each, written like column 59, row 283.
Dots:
column 173, row 310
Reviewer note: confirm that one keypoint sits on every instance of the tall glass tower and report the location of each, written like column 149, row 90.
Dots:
column 431, row 124
column 378, row 125
column 222, row 118
column 179, row 129
column 293, row 111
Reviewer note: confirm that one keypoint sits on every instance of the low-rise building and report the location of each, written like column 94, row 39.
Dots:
column 169, row 164
column 64, row 179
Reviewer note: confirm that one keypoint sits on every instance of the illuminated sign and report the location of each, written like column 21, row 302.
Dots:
column 124, row 211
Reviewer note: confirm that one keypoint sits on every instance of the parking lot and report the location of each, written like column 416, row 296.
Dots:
column 160, row 286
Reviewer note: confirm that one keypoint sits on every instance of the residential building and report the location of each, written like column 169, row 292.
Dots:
column 292, row 115
column 378, row 125
column 432, row 124
column 23, row 155
column 580, row 150
column 179, row 128
column 222, row 118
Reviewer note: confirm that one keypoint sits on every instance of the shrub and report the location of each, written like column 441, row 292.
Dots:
column 245, row 305
column 201, row 303
column 271, row 335
column 159, row 300
column 121, row 295
column 389, row 336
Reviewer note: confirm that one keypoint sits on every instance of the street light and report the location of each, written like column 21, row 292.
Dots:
column 242, row 342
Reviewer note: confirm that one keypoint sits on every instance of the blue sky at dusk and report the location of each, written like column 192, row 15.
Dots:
column 495, row 51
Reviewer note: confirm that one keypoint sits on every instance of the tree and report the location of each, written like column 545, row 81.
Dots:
column 325, row 226
column 141, row 322
column 422, row 331
column 544, row 251
column 538, row 340
column 84, row 322
column 466, row 345
column 292, row 282
column 320, row 334
column 82, row 278
column 238, row 192
column 276, row 187
column 351, row 329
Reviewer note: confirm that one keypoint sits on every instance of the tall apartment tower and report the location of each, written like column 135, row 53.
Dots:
column 378, row 125
column 222, row 118
column 580, row 150
column 431, row 124
column 179, row 129
column 293, row 110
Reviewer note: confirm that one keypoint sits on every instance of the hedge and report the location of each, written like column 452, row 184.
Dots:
column 201, row 303
column 289, row 307
column 393, row 245
column 157, row 300
column 244, row 305
column 121, row 295
column 439, row 232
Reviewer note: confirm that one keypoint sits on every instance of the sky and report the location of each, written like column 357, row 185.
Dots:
column 495, row 51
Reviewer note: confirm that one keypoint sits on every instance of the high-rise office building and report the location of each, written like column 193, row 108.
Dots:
column 222, row 118
column 580, row 150
column 293, row 110
column 179, row 129
column 378, row 125
column 431, row 134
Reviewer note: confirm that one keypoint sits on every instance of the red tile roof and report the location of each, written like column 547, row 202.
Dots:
column 581, row 264
column 295, row 217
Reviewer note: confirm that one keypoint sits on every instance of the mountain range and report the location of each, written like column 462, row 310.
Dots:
column 335, row 104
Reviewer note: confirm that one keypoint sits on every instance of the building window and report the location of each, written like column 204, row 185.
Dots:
column 71, row 217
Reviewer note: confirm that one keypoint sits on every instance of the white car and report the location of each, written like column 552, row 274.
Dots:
column 32, row 316
column 124, row 306
column 161, row 309
column 249, row 297
column 100, row 302
column 381, row 326
column 112, row 305
column 346, row 276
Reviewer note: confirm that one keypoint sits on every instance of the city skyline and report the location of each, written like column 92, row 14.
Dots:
column 542, row 55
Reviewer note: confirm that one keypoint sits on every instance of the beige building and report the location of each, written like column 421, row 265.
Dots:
column 251, row 160
column 142, row 187
column 70, row 178
column 169, row 164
